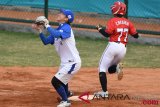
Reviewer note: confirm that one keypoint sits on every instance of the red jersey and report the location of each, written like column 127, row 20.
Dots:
column 119, row 28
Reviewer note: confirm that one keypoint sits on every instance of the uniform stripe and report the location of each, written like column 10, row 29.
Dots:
column 103, row 55
column 72, row 68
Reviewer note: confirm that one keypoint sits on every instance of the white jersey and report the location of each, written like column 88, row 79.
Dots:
column 66, row 49
column 64, row 42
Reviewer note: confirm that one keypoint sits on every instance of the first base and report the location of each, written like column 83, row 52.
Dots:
column 76, row 98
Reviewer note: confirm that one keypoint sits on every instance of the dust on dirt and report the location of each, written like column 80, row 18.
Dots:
column 31, row 87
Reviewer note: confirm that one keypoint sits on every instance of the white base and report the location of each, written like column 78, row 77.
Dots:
column 75, row 98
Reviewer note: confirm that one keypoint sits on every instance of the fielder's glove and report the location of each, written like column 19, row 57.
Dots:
column 99, row 27
column 42, row 20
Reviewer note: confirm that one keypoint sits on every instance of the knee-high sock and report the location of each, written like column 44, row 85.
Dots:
column 58, row 85
column 61, row 91
column 66, row 89
column 103, row 81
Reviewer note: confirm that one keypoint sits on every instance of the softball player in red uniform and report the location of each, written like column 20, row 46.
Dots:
column 117, row 30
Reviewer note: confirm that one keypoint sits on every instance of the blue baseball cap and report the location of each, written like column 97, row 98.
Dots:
column 69, row 14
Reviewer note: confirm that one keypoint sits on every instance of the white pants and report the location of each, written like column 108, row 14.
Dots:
column 112, row 55
column 66, row 71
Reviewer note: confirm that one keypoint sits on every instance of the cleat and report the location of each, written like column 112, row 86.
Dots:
column 71, row 93
column 119, row 71
column 101, row 94
column 64, row 104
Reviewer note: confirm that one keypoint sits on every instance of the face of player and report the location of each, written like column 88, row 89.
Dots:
column 61, row 18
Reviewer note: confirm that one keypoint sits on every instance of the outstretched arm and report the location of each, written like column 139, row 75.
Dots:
column 54, row 32
column 102, row 31
column 46, row 40
column 63, row 33
column 105, row 34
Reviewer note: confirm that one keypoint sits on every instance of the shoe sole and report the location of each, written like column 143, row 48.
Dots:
column 59, row 99
column 120, row 74
column 99, row 95
column 65, row 105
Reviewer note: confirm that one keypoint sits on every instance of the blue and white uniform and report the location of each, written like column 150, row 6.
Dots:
column 63, row 40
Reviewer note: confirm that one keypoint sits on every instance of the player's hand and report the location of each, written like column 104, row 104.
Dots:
column 99, row 27
column 42, row 20
column 140, row 38
column 46, row 22
column 39, row 28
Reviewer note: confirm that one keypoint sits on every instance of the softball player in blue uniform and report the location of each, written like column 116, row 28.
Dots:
column 64, row 42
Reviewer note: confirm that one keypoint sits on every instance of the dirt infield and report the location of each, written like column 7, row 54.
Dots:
column 30, row 87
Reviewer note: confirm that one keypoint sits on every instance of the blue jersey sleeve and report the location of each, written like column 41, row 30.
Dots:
column 64, row 32
column 46, row 40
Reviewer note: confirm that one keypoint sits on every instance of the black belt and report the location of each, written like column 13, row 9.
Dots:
column 119, row 42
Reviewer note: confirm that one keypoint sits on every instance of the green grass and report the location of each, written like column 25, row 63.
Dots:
column 142, row 56
column 26, row 49
column 22, row 49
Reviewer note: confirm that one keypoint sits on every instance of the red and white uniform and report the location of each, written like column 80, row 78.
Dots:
column 118, row 29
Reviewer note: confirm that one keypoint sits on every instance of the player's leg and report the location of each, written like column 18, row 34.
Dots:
column 65, row 74
column 112, row 68
column 58, row 85
column 72, row 69
column 68, row 92
column 116, row 66
column 65, row 87
column 59, row 82
column 119, row 71
column 119, row 67
column 104, row 63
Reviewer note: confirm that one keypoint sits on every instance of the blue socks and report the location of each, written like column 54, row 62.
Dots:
column 66, row 89
column 61, row 91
